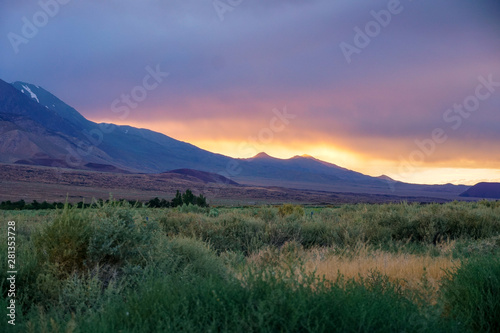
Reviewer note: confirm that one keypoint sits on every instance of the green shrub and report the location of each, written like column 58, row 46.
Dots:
column 314, row 233
column 289, row 209
column 81, row 293
column 192, row 256
column 58, row 263
column 232, row 232
column 119, row 236
column 471, row 294
column 214, row 212
column 267, row 214
column 191, row 208
column 64, row 242
column 280, row 231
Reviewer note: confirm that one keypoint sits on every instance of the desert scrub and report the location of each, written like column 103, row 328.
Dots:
column 190, row 208
column 261, row 301
column 430, row 224
column 280, row 231
column 233, row 232
column 252, row 270
column 471, row 294
column 63, row 243
column 229, row 231
column 120, row 236
column 289, row 209
column 79, row 239
column 81, row 248
column 250, row 229
column 266, row 213
column 190, row 256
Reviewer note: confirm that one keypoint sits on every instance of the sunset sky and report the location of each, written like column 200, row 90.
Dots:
column 410, row 89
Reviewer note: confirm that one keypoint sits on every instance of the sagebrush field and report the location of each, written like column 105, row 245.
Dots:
column 352, row 268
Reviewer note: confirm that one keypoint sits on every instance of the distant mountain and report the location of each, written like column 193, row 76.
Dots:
column 306, row 172
column 262, row 156
column 37, row 128
column 300, row 169
column 483, row 190
column 205, row 177
column 386, row 178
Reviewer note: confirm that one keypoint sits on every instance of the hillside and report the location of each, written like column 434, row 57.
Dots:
column 483, row 190
column 58, row 184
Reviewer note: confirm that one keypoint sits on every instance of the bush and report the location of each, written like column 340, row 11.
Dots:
column 190, row 208
column 471, row 294
column 80, row 248
column 214, row 212
column 64, row 242
column 191, row 256
column 280, row 231
column 289, row 209
column 119, row 236
column 267, row 214
column 232, row 232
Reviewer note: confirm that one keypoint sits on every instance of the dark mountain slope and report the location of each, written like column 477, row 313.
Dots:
column 30, row 131
column 483, row 190
column 206, row 177
column 123, row 147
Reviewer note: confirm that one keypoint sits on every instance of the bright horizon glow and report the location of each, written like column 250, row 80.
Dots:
column 343, row 158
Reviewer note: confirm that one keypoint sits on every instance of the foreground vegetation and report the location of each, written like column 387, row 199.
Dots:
column 355, row 268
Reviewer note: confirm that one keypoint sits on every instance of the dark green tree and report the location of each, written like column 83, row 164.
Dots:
column 20, row 204
column 177, row 201
column 154, row 203
column 46, row 205
column 188, row 197
column 201, row 201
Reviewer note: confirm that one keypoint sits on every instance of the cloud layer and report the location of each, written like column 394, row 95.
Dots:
column 226, row 76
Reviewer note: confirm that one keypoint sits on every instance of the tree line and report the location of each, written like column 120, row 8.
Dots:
column 186, row 198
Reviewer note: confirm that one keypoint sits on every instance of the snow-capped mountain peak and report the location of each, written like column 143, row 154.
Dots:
column 50, row 101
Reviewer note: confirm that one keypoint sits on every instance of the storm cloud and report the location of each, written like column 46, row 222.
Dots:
column 230, row 63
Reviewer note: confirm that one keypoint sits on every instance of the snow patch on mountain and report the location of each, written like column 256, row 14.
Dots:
column 32, row 94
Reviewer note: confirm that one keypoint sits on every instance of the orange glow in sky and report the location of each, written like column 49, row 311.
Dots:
column 224, row 139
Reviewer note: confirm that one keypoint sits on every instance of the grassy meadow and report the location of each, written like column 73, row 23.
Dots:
column 352, row 268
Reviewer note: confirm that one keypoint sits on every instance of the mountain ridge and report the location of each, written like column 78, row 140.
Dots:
column 486, row 190
column 58, row 126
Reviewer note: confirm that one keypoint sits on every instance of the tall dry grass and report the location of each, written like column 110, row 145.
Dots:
column 418, row 272
column 414, row 272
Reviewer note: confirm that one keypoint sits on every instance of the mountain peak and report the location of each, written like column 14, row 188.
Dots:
column 303, row 156
column 385, row 177
column 50, row 101
column 262, row 155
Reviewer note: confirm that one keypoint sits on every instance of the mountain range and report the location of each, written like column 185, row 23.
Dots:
column 37, row 128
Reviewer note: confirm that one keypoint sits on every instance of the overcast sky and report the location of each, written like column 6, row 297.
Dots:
column 368, row 85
